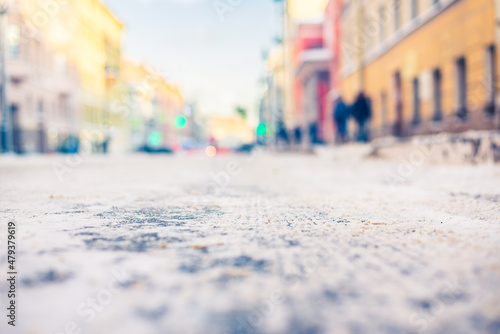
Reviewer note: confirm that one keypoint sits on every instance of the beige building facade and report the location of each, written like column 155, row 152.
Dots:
column 427, row 66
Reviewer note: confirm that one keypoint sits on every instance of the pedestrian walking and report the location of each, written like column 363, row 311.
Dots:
column 298, row 135
column 282, row 135
column 341, row 115
column 361, row 112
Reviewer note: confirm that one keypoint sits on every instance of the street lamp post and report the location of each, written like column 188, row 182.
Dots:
column 6, row 129
column 280, row 96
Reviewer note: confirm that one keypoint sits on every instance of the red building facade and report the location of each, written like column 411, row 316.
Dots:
column 311, row 80
column 316, row 58
column 332, row 34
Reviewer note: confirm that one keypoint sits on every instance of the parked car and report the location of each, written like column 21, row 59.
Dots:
column 245, row 148
column 156, row 150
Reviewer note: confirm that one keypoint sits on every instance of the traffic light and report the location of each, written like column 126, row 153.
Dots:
column 155, row 138
column 180, row 122
column 261, row 130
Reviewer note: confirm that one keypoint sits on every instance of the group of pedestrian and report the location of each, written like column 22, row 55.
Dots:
column 360, row 111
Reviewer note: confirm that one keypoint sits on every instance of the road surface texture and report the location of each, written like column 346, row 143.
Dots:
column 263, row 243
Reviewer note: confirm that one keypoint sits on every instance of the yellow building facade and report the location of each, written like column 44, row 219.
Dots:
column 229, row 132
column 90, row 38
column 305, row 9
column 427, row 66
column 153, row 105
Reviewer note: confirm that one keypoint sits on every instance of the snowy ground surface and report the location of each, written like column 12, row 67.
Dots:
column 270, row 243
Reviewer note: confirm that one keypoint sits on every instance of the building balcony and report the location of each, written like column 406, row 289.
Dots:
column 19, row 70
column 313, row 60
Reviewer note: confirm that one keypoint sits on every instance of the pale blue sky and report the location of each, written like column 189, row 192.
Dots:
column 217, row 63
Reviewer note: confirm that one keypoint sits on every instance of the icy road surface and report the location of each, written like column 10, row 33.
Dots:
column 270, row 243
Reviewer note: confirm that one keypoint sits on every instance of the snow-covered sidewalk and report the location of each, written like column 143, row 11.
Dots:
column 268, row 243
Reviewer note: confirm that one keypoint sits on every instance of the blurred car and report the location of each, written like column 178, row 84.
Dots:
column 245, row 148
column 70, row 145
column 156, row 150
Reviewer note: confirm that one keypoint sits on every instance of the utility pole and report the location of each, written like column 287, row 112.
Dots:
column 6, row 126
column 279, row 91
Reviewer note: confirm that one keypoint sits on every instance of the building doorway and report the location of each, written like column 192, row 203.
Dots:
column 41, row 131
column 16, row 129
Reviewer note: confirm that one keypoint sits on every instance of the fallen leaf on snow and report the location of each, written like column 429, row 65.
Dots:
column 199, row 246
column 369, row 222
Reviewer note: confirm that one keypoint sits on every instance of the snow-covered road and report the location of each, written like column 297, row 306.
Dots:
column 268, row 243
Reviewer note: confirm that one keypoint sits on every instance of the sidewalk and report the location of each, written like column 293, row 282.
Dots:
column 473, row 147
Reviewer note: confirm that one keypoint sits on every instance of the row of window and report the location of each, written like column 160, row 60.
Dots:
column 488, row 87
column 415, row 10
column 397, row 13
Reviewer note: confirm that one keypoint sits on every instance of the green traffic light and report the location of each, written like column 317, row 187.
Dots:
column 261, row 130
column 180, row 121
column 155, row 138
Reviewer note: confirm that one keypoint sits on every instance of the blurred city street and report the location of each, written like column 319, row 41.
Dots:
column 240, row 167
column 260, row 243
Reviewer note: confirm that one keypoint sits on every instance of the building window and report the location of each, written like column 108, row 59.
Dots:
column 14, row 39
column 437, row 88
column 416, row 101
column 461, row 88
column 61, row 65
column 491, row 80
column 414, row 9
column 383, row 110
column 40, row 111
column 397, row 15
column 382, row 23
column 29, row 101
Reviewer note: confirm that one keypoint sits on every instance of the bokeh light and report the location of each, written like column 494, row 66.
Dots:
column 211, row 151
column 180, row 122
column 261, row 130
column 155, row 138
column 176, row 146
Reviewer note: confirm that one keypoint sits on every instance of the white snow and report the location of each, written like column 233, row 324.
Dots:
column 271, row 243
